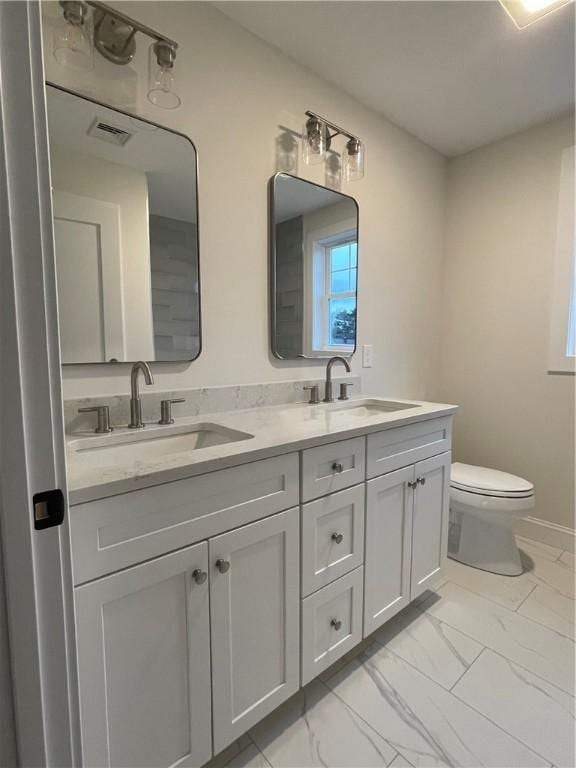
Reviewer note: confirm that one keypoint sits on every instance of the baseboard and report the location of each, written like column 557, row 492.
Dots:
column 548, row 533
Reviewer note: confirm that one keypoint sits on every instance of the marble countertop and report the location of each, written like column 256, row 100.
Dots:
column 275, row 430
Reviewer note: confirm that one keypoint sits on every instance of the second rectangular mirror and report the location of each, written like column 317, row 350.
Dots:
column 314, row 268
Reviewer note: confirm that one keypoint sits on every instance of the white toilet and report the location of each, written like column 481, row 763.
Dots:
column 484, row 503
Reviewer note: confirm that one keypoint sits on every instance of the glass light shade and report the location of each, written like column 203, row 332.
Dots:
column 314, row 141
column 162, row 89
column 333, row 172
column 73, row 39
column 353, row 160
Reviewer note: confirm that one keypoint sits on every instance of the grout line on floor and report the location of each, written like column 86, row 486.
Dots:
column 500, row 727
column 524, row 600
column 481, row 714
column 468, row 668
column 478, row 594
column 511, row 661
column 359, row 716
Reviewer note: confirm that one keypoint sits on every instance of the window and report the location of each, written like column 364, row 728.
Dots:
column 563, row 308
column 331, row 303
column 341, row 270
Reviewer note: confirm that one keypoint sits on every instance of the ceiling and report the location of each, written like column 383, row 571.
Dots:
column 455, row 74
column 167, row 159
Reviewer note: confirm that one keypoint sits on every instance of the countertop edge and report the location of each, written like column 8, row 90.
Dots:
column 107, row 489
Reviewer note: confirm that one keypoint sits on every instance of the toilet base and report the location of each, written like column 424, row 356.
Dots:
column 484, row 544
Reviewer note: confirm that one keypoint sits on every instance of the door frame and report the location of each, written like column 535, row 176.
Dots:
column 32, row 454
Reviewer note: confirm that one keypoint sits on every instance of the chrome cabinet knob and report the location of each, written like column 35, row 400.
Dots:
column 199, row 576
column 413, row 485
column 222, row 565
column 337, row 537
column 421, row 480
column 336, row 623
column 337, row 467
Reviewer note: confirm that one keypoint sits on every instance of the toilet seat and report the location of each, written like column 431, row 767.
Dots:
column 483, row 481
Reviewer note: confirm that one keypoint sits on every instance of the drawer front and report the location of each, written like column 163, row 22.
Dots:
column 331, row 623
column 113, row 533
column 333, row 467
column 398, row 447
column 332, row 537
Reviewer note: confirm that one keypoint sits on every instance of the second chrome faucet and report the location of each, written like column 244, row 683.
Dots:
column 135, row 401
column 328, row 389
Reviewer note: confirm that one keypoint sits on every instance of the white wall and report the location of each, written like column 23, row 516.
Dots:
column 89, row 176
column 236, row 91
column 500, row 249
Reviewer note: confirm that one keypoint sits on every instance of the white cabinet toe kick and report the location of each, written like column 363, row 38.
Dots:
column 202, row 604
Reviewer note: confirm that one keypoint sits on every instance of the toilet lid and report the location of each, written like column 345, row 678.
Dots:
column 489, row 482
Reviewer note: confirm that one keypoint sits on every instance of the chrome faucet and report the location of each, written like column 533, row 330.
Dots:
column 135, row 401
column 328, row 396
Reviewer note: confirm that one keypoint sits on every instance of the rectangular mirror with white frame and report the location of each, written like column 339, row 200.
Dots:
column 125, row 206
column 313, row 269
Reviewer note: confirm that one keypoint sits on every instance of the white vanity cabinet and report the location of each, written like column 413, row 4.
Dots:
column 143, row 645
column 255, row 622
column 203, row 604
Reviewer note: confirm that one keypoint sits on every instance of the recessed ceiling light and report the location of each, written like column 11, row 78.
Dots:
column 525, row 12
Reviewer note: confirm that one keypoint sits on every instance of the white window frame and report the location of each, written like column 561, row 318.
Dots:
column 563, row 297
column 317, row 288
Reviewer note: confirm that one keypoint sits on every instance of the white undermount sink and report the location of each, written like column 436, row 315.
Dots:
column 129, row 447
column 368, row 407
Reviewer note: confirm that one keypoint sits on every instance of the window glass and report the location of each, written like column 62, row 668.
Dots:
column 342, row 320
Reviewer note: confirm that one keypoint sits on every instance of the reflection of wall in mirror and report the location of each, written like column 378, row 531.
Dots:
column 96, row 179
column 289, row 288
column 175, row 304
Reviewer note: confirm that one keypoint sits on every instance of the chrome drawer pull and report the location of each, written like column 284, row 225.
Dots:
column 337, row 537
column 199, row 576
column 222, row 565
column 337, row 467
column 336, row 623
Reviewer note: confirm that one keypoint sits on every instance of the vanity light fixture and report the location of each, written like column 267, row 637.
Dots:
column 72, row 43
column 317, row 139
column 526, row 12
column 113, row 34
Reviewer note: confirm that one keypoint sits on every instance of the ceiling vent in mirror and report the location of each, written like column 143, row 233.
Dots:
column 110, row 133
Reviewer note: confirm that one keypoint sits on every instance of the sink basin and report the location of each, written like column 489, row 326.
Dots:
column 129, row 447
column 366, row 408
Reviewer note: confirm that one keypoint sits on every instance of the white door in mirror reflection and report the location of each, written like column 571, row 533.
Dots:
column 89, row 274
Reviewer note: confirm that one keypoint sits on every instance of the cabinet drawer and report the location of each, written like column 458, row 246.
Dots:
column 331, row 623
column 113, row 533
column 395, row 448
column 332, row 467
column 332, row 537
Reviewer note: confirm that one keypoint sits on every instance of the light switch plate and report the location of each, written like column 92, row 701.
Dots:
column 367, row 356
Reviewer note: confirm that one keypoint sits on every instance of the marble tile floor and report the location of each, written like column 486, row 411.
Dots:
column 478, row 672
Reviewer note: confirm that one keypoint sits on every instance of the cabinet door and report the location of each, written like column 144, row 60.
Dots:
column 254, row 610
column 144, row 664
column 388, row 540
column 430, row 522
